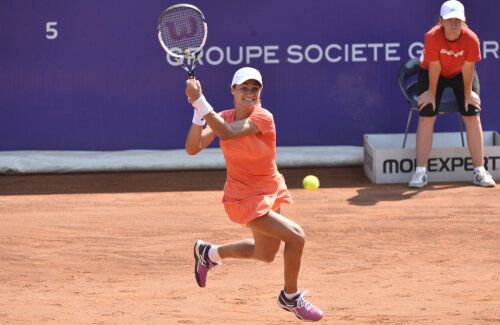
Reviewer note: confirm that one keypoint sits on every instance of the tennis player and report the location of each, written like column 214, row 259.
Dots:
column 448, row 60
column 254, row 189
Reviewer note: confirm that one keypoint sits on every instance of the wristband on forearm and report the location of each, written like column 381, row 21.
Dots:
column 197, row 119
column 202, row 106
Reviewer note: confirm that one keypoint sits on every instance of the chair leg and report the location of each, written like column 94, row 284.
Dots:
column 461, row 129
column 407, row 127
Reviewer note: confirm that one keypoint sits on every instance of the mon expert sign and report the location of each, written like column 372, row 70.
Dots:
column 385, row 161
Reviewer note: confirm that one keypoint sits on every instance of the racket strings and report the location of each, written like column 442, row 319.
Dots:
column 182, row 29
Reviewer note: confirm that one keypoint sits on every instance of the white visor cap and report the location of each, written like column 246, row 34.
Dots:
column 245, row 74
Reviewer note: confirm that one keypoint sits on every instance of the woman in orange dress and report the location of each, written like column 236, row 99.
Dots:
column 254, row 188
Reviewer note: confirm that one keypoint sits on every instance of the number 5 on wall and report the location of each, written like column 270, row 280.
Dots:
column 51, row 30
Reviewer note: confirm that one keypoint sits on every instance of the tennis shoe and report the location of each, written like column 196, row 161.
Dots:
column 484, row 179
column 298, row 305
column 202, row 263
column 418, row 180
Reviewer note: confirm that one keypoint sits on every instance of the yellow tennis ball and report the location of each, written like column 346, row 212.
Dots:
column 310, row 182
column 186, row 51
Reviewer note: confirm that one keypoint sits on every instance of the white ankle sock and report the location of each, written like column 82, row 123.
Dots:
column 478, row 169
column 290, row 296
column 419, row 170
column 213, row 253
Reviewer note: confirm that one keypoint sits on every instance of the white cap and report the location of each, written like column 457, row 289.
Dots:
column 245, row 74
column 453, row 9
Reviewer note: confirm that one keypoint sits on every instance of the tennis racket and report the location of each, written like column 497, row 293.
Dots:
column 182, row 32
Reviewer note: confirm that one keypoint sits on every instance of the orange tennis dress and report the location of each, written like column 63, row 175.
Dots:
column 253, row 184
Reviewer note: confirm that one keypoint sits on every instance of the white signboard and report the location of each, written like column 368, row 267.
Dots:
column 385, row 161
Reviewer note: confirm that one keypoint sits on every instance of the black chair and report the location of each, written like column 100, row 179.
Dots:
column 448, row 103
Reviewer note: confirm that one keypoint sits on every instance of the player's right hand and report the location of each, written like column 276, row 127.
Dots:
column 425, row 99
column 193, row 90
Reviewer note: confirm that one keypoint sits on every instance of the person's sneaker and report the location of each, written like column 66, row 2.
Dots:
column 483, row 179
column 202, row 264
column 300, row 307
column 418, row 180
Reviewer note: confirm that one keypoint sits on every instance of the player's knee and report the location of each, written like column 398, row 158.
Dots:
column 426, row 121
column 268, row 258
column 299, row 236
column 472, row 121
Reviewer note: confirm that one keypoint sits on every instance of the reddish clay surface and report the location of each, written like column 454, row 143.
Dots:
column 117, row 249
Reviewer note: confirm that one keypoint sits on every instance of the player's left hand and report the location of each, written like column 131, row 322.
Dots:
column 474, row 100
column 193, row 90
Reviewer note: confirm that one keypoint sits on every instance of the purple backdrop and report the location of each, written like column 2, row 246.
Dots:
column 330, row 69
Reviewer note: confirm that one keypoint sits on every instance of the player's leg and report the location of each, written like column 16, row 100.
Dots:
column 476, row 148
column 427, row 118
column 241, row 249
column 475, row 142
column 274, row 225
column 268, row 232
column 261, row 247
column 207, row 255
column 474, row 130
column 425, row 129
column 471, row 119
column 475, row 139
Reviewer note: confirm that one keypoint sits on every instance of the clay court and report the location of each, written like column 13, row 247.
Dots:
column 117, row 249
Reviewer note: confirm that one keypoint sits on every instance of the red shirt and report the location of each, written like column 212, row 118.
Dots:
column 451, row 55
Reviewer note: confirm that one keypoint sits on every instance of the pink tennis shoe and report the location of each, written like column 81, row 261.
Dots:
column 202, row 264
column 302, row 308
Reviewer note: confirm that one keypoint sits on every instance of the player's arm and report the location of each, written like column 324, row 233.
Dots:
column 198, row 138
column 226, row 131
column 429, row 96
column 471, row 98
column 218, row 125
column 434, row 71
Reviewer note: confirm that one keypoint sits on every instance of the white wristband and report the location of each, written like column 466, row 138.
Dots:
column 202, row 106
column 197, row 119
